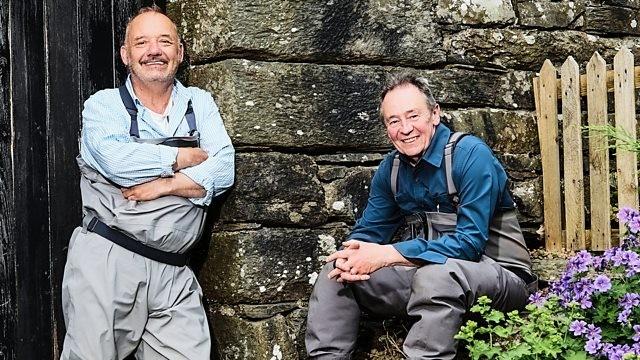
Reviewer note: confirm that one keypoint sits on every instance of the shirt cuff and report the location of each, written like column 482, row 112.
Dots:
column 204, row 181
column 416, row 249
column 167, row 159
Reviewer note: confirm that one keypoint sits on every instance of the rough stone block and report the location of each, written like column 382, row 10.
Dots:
column 475, row 11
column 528, row 197
column 513, row 132
column 399, row 32
column 527, row 49
column 266, row 265
column 347, row 196
column 275, row 188
column 626, row 3
column 278, row 337
column 327, row 106
column 549, row 13
column 612, row 19
column 521, row 166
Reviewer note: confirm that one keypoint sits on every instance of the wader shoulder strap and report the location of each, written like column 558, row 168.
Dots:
column 127, row 100
column 448, row 165
column 394, row 173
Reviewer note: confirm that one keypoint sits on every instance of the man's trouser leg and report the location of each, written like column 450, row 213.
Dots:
column 441, row 294
column 115, row 301
column 334, row 311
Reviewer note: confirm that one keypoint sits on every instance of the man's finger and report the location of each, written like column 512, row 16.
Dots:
column 345, row 276
column 352, row 244
column 341, row 254
column 334, row 273
column 342, row 265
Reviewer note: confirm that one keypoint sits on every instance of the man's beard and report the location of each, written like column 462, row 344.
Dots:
column 155, row 77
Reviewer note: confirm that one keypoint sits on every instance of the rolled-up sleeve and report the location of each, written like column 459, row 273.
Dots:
column 216, row 174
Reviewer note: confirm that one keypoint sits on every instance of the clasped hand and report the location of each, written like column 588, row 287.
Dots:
column 357, row 261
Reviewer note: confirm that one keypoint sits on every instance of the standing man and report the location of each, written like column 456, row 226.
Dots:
column 473, row 245
column 153, row 155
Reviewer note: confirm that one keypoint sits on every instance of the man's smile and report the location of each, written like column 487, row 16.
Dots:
column 410, row 140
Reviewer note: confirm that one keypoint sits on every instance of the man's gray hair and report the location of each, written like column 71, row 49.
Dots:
column 143, row 10
column 403, row 79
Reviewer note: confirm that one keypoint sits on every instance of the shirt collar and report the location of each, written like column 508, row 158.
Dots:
column 435, row 150
column 178, row 92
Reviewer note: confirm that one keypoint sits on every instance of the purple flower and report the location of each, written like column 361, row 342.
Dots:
column 580, row 262
column 623, row 316
column 578, row 327
column 537, row 299
column 626, row 214
column 585, row 303
column 592, row 346
column 594, row 332
column 602, row 283
column 636, row 336
column 634, row 225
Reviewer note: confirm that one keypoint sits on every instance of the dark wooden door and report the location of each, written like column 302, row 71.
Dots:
column 53, row 55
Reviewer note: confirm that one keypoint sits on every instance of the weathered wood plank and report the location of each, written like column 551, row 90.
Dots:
column 610, row 82
column 7, row 210
column 28, row 99
column 63, row 127
column 549, row 149
column 95, row 46
column 572, row 151
column 598, row 154
column 626, row 161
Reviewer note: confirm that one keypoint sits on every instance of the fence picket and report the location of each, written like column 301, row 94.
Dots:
column 549, row 149
column 626, row 161
column 598, row 154
column 572, row 151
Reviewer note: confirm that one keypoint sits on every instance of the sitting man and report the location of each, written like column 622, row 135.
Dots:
column 153, row 155
column 472, row 243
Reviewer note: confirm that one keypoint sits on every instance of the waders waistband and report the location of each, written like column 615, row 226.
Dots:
column 133, row 245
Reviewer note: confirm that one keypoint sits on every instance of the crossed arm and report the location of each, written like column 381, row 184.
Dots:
column 178, row 185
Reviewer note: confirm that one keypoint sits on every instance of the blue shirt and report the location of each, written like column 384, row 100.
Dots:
column 106, row 146
column 482, row 186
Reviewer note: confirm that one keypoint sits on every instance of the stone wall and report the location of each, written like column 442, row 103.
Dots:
column 297, row 84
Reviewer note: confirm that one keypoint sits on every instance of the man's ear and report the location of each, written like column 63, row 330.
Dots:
column 435, row 112
column 124, row 56
column 181, row 50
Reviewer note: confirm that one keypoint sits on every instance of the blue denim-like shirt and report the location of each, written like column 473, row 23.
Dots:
column 106, row 146
column 482, row 186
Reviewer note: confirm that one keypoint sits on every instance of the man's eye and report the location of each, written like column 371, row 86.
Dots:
column 394, row 121
column 414, row 116
column 140, row 43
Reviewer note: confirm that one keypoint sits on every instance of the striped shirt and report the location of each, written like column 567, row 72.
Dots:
column 106, row 146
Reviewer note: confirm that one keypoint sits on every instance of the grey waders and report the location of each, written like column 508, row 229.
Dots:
column 436, row 296
column 126, row 288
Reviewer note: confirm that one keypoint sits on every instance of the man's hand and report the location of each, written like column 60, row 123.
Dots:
column 359, row 259
column 341, row 272
column 188, row 157
column 179, row 185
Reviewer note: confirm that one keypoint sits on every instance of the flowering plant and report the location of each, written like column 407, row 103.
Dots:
column 592, row 311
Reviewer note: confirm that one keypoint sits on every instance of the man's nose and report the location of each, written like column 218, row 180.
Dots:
column 154, row 48
column 407, row 127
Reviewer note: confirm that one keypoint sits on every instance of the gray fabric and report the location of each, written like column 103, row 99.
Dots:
column 169, row 223
column 435, row 295
column 448, row 161
column 506, row 244
column 116, row 302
